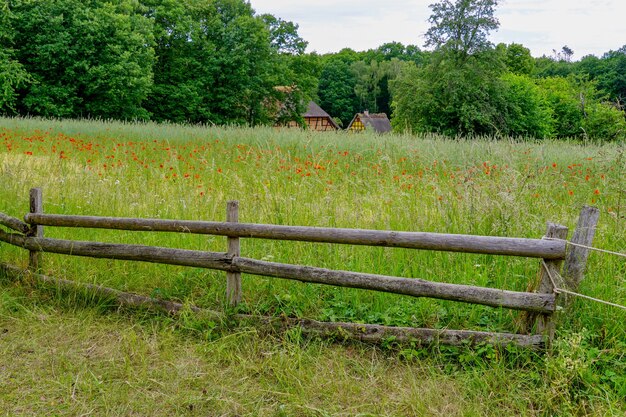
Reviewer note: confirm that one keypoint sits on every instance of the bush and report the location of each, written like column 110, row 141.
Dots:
column 603, row 121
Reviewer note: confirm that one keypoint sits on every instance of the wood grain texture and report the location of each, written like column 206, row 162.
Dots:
column 233, row 279
column 535, row 248
column 13, row 223
column 576, row 260
column 407, row 286
column 182, row 257
column 544, row 303
column 36, row 207
column 546, row 322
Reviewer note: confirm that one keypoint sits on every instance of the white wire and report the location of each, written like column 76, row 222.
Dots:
column 623, row 255
column 564, row 291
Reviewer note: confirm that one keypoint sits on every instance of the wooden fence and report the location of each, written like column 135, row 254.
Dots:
column 539, row 306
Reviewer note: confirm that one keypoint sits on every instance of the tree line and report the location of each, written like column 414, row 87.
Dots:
column 218, row 62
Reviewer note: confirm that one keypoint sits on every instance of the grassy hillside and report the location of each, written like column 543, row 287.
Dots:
column 195, row 365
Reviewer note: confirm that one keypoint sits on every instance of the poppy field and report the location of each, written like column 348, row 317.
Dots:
column 481, row 186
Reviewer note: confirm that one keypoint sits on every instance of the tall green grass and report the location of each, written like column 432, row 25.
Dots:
column 480, row 186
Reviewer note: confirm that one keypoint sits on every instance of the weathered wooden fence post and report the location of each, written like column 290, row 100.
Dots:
column 576, row 261
column 545, row 323
column 233, row 279
column 36, row 206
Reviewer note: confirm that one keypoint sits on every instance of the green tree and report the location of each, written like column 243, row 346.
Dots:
column 367, row 83
column 549, row 67
column 13, row 75
column 451, row 99
column 563, row 98
column 185, row 64
column 527, row 110
column 284, row 36
column 611, row 75
column 459, row 91
column 605, row 122
column 336, row 91
column 215, row 62
column 297, row 72
column 87, row 58
column 461, row 27
column 517, row 58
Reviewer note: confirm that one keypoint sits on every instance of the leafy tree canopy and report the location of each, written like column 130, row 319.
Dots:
column 13, row 75
column 462, row 26
column 284, row 35
column 87, row 58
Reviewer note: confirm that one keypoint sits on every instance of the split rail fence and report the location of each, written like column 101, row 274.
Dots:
column 539, row 306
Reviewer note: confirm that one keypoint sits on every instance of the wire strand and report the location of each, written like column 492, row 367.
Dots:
column 558, row 290
column 623, row 255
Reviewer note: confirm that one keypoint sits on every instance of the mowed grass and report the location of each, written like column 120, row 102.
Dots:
column 149, row 364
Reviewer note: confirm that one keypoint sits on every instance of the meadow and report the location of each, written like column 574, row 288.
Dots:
column 71, row 353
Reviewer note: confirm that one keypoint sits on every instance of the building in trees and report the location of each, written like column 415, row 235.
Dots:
column 375, row 122
column 315, row 118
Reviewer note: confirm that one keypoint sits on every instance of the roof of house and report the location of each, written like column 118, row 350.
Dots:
column 376, row 121
column 313, row 110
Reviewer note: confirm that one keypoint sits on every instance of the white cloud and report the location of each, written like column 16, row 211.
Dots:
column 589, row 27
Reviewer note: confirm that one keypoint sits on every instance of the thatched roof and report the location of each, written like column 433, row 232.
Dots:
column 375, row 121
column 313, row 110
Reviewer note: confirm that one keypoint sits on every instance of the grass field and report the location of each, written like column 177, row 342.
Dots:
column 65, row 353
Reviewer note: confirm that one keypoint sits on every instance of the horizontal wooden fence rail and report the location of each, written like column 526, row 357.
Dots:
column 541, row 303
column 13, row 223
column 533, row 248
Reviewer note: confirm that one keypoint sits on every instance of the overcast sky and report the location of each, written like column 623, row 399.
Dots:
column 587, row 27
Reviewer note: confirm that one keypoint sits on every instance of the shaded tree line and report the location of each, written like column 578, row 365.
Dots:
column 197, row 61
column 218, row 62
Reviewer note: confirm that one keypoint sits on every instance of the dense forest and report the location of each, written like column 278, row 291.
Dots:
column 219, row 62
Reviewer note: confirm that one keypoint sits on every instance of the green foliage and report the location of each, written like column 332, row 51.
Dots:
column 241, row 64
column 578, row 371
column 612, row 75
column 517, row 58
column 527, row 110
column 215, row 63
column 336, row 91
column 461, row 27
column 459, row 90
column 284, row 36
column 367, row 86
column 366, row 80
column 86, row 58
column 13, row 75
column 604, row 121
column 449, row 98
column 394, row 50
column 563, row 99
column 547, row 67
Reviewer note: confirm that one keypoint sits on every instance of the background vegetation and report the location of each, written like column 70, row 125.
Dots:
column 218, row 62
column 73, row 353
column 491, row 141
